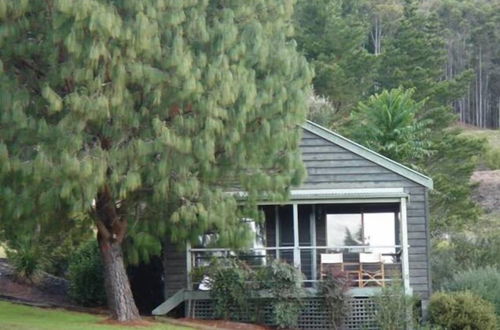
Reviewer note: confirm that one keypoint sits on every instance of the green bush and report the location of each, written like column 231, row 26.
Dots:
column 284, row 282
column 45, row 246
column 463, row 251
column 229, row 284
column 28, row 259
column 333, row 288
column 86, row 276
column 394, row 309
column 61, row 246
column 234, row 286
column 461, row 310
column 484, row 282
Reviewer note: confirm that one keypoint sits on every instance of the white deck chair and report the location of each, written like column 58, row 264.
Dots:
column 372, row 270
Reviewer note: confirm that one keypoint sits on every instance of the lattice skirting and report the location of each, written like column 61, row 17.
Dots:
column 313, row 315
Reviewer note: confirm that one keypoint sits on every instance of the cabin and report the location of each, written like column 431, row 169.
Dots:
column 357, row 211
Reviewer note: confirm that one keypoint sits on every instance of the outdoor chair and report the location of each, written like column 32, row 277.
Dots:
column 372, row 269
column 331, row 263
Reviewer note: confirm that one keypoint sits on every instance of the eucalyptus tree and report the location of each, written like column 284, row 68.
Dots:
column 384, row 16
column 142, row 114
column 472, row 34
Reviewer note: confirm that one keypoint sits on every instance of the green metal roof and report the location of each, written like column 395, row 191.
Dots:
column 368, row 154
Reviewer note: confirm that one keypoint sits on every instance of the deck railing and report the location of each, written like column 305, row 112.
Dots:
column 312, row 261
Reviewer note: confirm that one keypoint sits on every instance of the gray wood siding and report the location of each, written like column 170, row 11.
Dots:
column 174, row 268
column 331, row 166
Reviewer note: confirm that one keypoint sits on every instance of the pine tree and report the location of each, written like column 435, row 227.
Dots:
column 415, row 58
column 332, row 35
column 143, row 114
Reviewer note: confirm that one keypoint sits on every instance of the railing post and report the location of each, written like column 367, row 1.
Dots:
column 296, row 250
column 405, row 264
column 312, row 224
column 189, row 265
column 277, row 228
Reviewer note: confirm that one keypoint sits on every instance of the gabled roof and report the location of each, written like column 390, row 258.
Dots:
column 368, row 154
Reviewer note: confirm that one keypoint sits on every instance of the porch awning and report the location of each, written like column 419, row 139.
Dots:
column 349, row 194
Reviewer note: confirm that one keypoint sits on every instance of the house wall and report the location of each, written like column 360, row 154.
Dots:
column 174, row 268
column 332, row 167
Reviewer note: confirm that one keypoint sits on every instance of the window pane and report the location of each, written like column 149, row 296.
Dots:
column 380, row 230
column 343, row 229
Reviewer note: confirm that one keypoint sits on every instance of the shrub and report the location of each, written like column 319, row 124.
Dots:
column 394, row 309
column 333, row 289
column 28, row 259
column 471, row 250
column 284, row 282
column 61, row 246
column 85, row 274
column 233, row 286
column 229, row 280
column 461, row 310
column 485, row 282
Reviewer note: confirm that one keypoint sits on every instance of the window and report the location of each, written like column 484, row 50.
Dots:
column 377, row 229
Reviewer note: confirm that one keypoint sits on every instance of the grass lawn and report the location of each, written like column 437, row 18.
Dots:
column 19, row 317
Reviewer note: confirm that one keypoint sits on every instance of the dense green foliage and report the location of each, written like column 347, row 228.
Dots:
column 484, row 282
column 414, row 58
column 461, row 310
column 331, row 35
column 284, row 282
column 230, row 288
column 333, row 289
column 387, row 123
column 53, row 242
column 235, row 288
column 475, row 248
column 28, row 259
column 85, row 275
column 175, row 100
column 394, row 309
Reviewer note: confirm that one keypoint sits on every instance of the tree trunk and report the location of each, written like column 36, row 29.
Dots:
column 120, row 299
column 111, row 232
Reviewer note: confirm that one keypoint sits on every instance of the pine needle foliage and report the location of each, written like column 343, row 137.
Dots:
column 170, row 103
